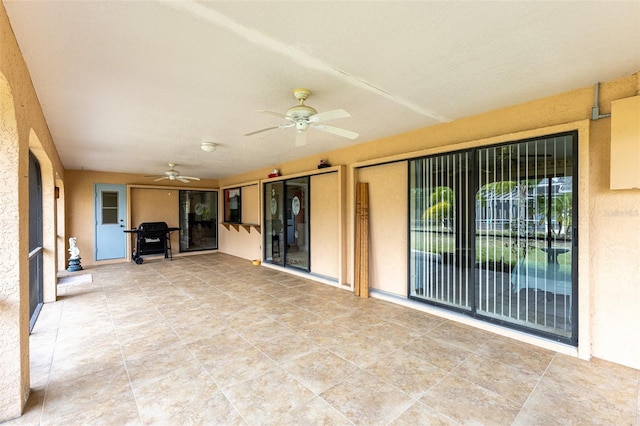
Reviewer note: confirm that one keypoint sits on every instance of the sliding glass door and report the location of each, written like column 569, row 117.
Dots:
column 198, row 220
column 286, row 237
column 275, row 216
column 440, row 239
column 493, row 235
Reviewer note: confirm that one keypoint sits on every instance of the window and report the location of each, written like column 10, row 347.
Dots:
column 109, row 208
column 492, row 234
column 232, row 205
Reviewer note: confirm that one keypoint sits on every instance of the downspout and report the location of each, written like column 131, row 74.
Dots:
column 595, row 111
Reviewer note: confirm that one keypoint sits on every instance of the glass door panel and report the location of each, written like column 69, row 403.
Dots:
column 524, row 230
column 492, row 234
column 297, row 251
column 286, row 237
column 36, row 285
column 274, row 212
column 439, row 237
column 198, row 220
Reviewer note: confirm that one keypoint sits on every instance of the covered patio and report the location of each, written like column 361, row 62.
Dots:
column 212, row 339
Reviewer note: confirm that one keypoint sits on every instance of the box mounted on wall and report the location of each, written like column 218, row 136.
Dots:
column 625, row 143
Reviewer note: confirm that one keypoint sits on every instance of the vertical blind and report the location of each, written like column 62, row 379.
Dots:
column 491, row 234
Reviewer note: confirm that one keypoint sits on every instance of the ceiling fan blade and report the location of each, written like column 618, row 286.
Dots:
column 183, row 180
column 262, row 130
column 301, row 138
column 188, row 177
column 329, row 115
column 275, row 114
column 336, row 131
column 160, row 178
column 282, row 126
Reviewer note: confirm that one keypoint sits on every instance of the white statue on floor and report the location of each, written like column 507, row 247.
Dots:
column 74, row 251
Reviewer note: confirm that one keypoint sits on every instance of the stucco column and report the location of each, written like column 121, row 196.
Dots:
column 14, row 278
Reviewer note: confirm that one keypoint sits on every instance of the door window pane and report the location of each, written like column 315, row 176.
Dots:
column 109, row 208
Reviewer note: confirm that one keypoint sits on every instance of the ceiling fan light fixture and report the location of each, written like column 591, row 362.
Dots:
column 208, row 146
column 303, row 117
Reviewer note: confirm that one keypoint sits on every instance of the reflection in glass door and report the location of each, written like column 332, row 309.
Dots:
column 198, row 220
column 274, row 236
column 493, row 234
column 297, row 252
column 286, row 237
column 524, row 227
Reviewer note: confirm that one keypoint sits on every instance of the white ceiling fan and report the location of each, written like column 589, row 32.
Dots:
column 173, row 174
column 303, row 116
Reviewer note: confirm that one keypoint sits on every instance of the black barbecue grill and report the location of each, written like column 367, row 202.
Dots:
column 152, row 238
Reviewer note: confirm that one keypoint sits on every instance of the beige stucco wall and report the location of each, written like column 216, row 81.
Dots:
column 387, row 226
column 242, row 241
column 22, row 128
column 155, row 205
column 609, row 224
column 325, row 219
column 145, row 202
column 613, row 253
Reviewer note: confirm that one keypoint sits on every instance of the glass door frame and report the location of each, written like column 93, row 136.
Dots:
column 36, row 250
column 470, row 228
column 198, row 225
column 282, row 227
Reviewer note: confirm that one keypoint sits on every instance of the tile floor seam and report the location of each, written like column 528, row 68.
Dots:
column 124, row 360
column 46, row 388
column 455, row 373
column 495, row 337
column 524, row 405
column 434, row 386
column 242, row 416
column 193, row 287
column 637, row 417
column 391, row 384
column 200, row 364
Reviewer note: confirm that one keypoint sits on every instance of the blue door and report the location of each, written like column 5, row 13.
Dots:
column 110, row 210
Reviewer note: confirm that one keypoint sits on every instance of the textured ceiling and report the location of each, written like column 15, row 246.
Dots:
column 132, row 86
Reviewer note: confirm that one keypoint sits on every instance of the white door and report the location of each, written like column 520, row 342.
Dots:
column 110, row 210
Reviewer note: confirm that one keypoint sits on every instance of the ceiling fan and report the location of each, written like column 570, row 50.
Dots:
column 303, row 116
column 173, row 174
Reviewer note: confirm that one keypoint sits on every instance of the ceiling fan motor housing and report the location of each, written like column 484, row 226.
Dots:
column 300, row 114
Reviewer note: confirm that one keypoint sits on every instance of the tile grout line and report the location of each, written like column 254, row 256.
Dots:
column 124, row 362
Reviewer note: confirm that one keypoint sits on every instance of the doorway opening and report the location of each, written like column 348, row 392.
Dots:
column 36, row 251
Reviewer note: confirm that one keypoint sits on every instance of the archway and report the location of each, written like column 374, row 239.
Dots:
column 49, row 221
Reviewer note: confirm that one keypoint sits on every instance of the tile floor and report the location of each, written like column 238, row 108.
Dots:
column 212, row 339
